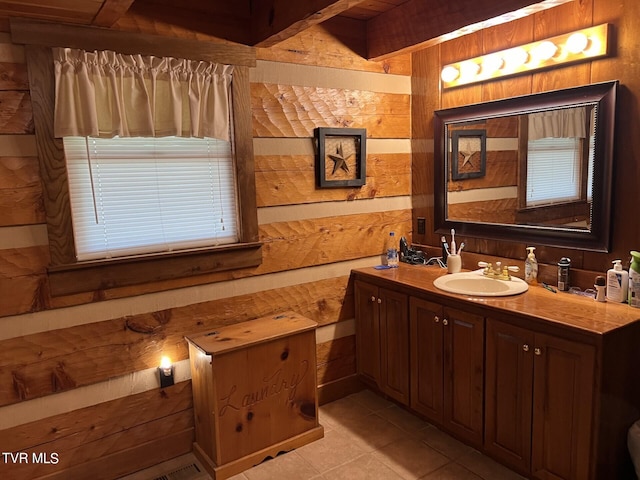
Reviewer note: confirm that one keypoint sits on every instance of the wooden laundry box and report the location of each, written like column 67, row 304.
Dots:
column 254, row 391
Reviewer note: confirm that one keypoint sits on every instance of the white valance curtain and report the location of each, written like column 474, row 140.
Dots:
column 106, row 94
column 564, row 123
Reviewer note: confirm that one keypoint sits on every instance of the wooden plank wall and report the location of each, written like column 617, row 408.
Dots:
column 78, row 373
column 624, row 15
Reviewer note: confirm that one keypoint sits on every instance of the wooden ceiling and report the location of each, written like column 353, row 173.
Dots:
column 392, row 26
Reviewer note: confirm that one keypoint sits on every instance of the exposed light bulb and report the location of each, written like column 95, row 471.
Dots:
column 165, row 363
column 449, row 73
column 544, row 51
column 577, row 42
column 491, row 64
column 594, row 46
column 468, row 70
column 165, row 371
column 515, row 57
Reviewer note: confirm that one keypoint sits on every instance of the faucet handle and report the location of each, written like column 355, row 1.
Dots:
column 483, row 264
column 515, row 268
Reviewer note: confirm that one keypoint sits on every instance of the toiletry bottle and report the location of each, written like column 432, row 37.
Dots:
column 617, row 283
column 531, row 267
column 634, row 279
column 392, row 251
column 600, row 285
column 563, row 274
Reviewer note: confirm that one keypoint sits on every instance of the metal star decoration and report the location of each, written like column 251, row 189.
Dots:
column 339, row 160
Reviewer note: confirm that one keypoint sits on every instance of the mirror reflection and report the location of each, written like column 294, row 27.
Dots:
column 535, row 168
column 525, row 169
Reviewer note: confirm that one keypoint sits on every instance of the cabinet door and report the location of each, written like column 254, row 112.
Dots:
column 508, row 393
column 394, row 341
column 426, row 358
column 563, row 383
column 367, row 332
column 464, row 375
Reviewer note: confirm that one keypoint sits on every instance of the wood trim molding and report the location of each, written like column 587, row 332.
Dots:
column 91, row 38
column 102, row 275
column 111, row 11
column 53, row 172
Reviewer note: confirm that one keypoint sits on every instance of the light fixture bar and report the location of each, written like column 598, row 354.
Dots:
column 581, row 45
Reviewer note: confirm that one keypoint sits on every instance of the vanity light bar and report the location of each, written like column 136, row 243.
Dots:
column 581, row 45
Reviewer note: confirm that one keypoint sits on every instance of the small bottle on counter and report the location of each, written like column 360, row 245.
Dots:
column 531, row 267
column 392, row 251
column 617, row 283
column 634, row 280
column 563, row 274
column 600, row 285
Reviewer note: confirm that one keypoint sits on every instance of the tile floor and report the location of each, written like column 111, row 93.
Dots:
column 367, row 437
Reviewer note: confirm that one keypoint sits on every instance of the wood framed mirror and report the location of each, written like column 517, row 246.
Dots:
column 547, row 173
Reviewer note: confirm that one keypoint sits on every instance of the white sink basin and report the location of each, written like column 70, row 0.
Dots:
column 475, row 284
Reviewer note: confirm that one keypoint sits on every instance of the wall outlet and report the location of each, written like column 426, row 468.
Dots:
column 422, row 225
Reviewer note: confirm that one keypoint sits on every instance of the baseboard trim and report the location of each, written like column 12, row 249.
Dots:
column 338, row 389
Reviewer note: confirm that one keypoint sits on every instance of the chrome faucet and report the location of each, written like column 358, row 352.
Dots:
column 499, row 272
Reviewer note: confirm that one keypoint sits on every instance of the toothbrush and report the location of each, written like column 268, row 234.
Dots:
column 445, row 245
column 461, row 247
column 453, row 240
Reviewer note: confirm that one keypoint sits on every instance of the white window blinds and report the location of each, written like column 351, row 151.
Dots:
column 132, row 196
column 553, row 171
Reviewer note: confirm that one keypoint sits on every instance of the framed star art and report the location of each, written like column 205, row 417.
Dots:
column 341, row 157
column 469, row 154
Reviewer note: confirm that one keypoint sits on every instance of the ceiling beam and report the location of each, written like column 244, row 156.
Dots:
column 417, row 24
column 110, row 12
column 273, row 21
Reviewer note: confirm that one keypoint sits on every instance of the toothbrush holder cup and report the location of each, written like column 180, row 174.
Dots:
column 454, row 263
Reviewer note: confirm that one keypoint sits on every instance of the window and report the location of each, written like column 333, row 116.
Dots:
column 553, row 171
column 66, row 274
column 132, row 196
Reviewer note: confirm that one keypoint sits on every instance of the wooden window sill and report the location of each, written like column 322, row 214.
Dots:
column 120, row 272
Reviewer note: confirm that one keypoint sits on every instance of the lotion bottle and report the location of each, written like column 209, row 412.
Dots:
column 617, row 283
column 531, row 267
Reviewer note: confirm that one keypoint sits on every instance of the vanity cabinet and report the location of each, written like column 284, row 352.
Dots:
column 447, row 364
column 382, row 340
column 539, row 401
column 548, row 384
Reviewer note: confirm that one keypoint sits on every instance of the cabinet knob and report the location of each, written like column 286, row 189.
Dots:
column 537, row 351
column 525, row 347
column 379, row 300
column 436, row 319
column 373, row 299
column 445, row 322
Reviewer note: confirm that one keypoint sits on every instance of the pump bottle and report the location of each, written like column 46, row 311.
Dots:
column 617, row 283
column 531, row 267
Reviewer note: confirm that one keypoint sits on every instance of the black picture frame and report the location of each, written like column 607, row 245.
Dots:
column 335, row 167
column 468, row 162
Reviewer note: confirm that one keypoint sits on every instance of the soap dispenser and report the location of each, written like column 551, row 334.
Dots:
column 531, row 267
column 617, row 283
